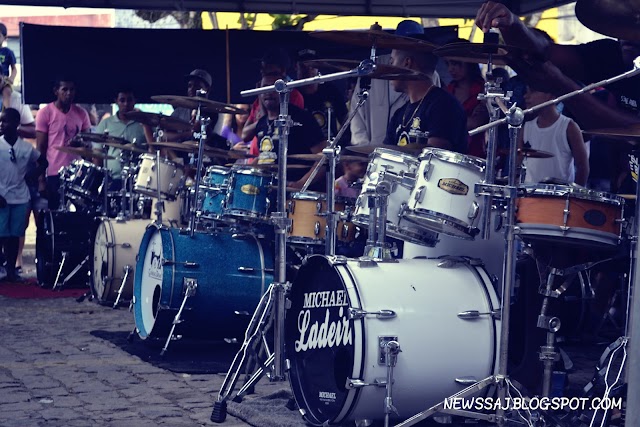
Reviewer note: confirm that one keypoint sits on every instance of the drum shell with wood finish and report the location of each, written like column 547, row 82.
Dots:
column 307, row 211
column 569, row 215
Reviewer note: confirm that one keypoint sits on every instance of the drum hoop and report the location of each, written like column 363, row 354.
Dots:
column 251, row 171
column 390, row 154
column 442, row 219
column 410, row 236
column 163, row 160
column 83, row 162
column 575, row 192
column 312, row 196
column 464, row 160
column 220, row 169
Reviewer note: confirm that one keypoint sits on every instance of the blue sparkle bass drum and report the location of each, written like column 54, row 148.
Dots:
column 231, row 272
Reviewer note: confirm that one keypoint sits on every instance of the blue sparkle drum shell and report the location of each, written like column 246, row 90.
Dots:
column 248, row 194
column 214, row 186
column 232, row 272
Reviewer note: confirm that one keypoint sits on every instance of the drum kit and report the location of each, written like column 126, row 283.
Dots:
column 339, row 315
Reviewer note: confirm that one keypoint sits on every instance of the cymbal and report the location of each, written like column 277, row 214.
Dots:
column 613, row 18
column 479, row 52
column 158, row 120
column 368, row 149
column 100, row 138
column 316, row 157
column 528, row 152
column 382, row 71
column 84, row 152
column 381, row 39
column 271, row 166
column 192, row 147
column 627, row 196
column 194, row 101
column 128, row 147
column 629, row 134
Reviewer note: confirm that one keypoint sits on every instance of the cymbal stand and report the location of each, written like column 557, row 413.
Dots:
column 159, row 207
column 201, row 137
column 105, row 183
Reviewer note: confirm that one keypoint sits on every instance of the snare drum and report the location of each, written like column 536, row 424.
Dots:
column 85, row 181
column 248, row 193
column 342, row 314
column 231, row 271
column 307, row 212
column 171, row 177
column 392, row 166
column 443, row 198
column 566, row 214
column 215, row 185
column 114, row 256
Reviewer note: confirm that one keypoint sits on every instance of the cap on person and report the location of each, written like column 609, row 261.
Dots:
column 202, row 75
column 306, row 55
column 407, row 28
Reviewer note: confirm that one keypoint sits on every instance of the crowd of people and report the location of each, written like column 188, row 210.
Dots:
column 435, row 111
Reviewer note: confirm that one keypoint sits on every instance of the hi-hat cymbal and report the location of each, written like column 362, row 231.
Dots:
column 382, row 71
column 479, row 52
column 128, row 147
column 368, row 149
column 194, row 102
column 528, row 152
column 380, row 39
column 158, row 120
column 192, row 147
column 629, row 134
column 100, row 138
column 316, row 157
column 84, row 152
column 619, row 19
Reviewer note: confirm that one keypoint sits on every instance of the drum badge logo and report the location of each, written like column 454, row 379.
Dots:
column 453, row 186
column 155, row 264
column 250, row 190
column 330, row 326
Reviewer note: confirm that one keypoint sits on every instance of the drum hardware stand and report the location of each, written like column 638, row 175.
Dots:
column 70, row 275
column 105, row 183
column 275, row 306
column 191, row 285
column 201, row 137
column 391, row 350
column 127, row 269
column 377, row 248
column 159, row 207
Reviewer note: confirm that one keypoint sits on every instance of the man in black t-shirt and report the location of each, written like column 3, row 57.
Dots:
column 432, row 116
column 305, row 137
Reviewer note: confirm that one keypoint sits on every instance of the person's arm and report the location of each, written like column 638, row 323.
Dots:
column 439, row 143
column 359, row 134
column 14, row 73
column 27, row 130
column 579, row 151
column 42, row 142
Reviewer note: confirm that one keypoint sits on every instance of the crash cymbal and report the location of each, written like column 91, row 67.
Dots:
column 194, row 101
column 629, row 134
column 100, row 138
column 479, row 52
column 316, row 157
column 380, row 39
column 627, row 196
column 382, row 71
column 192, row 147
column 128, row 147
column 528, row 152
column 158, row 120
column 619, row 19
column 368, row 149
column 84, row 152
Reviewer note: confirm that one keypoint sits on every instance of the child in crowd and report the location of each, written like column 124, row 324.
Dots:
column 353, row 171
column 9, row 70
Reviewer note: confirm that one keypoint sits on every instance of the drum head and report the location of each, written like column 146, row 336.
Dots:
column 102, row 261
column 148, row 283
column 320, row 341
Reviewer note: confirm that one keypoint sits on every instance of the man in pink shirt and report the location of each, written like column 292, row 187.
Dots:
column 56, row 125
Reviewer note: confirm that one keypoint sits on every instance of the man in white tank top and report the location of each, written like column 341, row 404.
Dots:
column 557, row 134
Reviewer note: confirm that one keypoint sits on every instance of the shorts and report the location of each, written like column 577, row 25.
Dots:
column 13, row 220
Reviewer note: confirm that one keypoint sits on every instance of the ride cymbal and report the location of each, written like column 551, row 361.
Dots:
column 479, row 53
column 192, row 147
column 619, row 19
column 128, row 147
column 158, row 120
column 381, row 72
column 194, row 102
column 368, row 149
column 528, row 152
column 629, row 134
column 84, row 152
column 381, row 39
column 100, row 138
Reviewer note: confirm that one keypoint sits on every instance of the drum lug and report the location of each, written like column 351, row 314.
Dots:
column 473, row 210
column 291, row 206
column 337, row 260
column 246, row 269
column 316, row 228
column 345, row 231
column 426, row 173
column 475, row 314
column 358, row 383
column 126, row 245
column 451, row 261
column 420, row 193
column 565, row 217
column 358, row 313
column 408, row 180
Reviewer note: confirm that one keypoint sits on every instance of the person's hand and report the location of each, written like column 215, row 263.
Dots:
column 241, row 146
column 3, row 202
column 494, row 15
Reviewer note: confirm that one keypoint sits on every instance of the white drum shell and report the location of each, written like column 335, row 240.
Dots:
column 171, row 177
